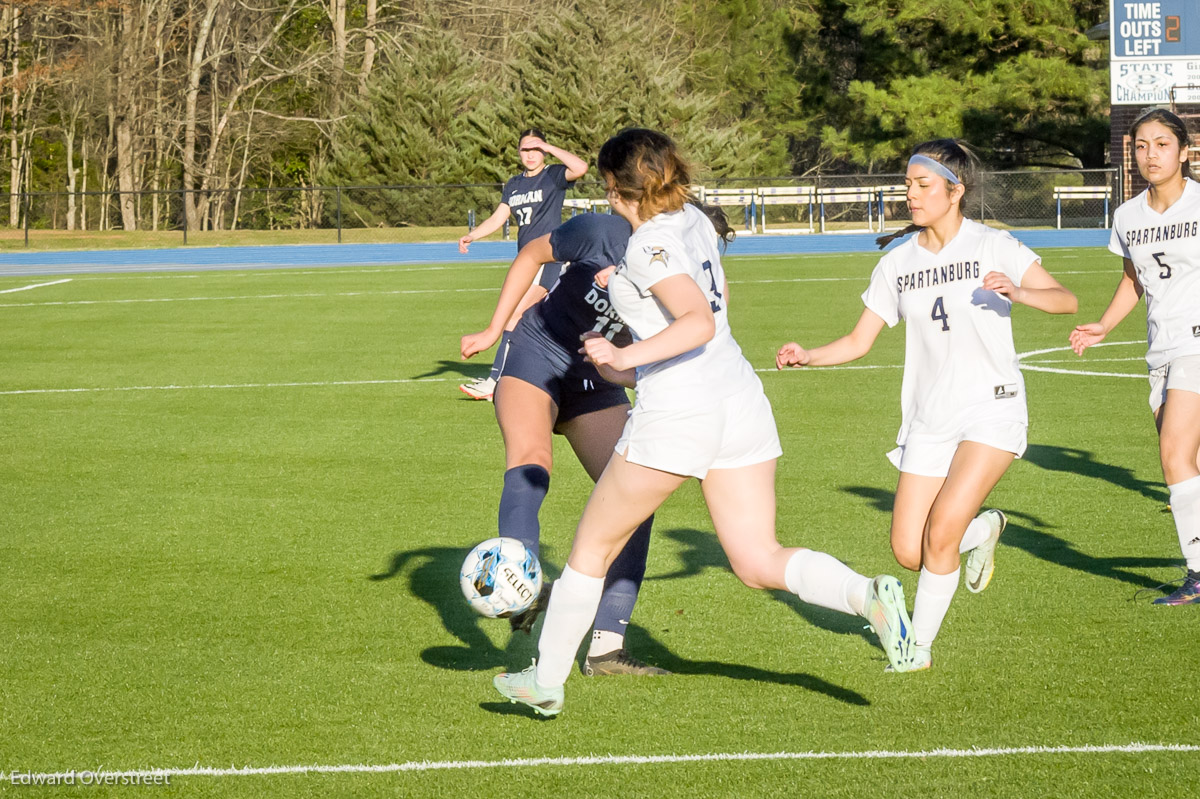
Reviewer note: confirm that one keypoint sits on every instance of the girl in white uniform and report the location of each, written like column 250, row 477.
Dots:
column 962, row 399
column 700, row 412
column 1158, row 235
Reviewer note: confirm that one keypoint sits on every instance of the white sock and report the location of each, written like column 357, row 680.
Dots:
column 934, row 592
column 605, row 641
column 821, row 579
column 977, row 532
column 569, row 614
column 1185, row 507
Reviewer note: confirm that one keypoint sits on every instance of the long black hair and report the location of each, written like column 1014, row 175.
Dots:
column 1169, row 121
column 956, row 156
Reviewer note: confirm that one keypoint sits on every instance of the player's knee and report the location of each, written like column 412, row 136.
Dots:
column 941, row 537
column 1178, row 462
column 750, row 571
column 908, row 554
column 529, row 455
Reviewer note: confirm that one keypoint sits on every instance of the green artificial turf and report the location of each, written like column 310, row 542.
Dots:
column 235, row 505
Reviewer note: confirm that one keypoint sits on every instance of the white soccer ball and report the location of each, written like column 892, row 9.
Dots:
column 501, row 577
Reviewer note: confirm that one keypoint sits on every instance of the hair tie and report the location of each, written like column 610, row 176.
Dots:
column 935, row 166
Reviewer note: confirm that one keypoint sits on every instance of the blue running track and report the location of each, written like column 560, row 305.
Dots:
column 196, row 259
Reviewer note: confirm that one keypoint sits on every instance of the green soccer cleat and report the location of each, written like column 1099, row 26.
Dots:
column 922, row 659
column 888, row 617
column 523, row 687
column 981, row 561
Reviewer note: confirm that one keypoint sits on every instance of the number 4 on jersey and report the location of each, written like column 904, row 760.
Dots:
column 939, row 314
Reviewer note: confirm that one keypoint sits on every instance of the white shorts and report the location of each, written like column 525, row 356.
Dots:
column 1182, row 374
column 727, row 434
column 930, row 454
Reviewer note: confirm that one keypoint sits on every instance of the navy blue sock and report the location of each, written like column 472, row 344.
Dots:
column 623, row 582
column 525, row 489
column 501, row 354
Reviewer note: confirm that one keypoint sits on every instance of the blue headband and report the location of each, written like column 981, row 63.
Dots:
column 935, row 166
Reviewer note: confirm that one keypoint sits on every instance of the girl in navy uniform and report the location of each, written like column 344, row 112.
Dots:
column 1158, row 235
column 547, row 387
column 535, row 199
column 701, row 412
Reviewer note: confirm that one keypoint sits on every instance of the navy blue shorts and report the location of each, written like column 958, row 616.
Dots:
column 549, row 274
column 572, row 383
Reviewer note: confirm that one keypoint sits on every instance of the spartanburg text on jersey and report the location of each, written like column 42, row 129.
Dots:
column 576, row 304
column 680, row 243
column 1165, row 251
column 537, row 202
column 959, row 359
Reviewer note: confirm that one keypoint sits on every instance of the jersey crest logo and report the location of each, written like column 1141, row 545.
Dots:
column 1004, row 392
column 1195, row 331
column 657, row 255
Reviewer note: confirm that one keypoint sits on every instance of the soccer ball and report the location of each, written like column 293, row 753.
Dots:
column 501, row 577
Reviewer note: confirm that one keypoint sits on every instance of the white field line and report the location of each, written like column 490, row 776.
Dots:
column 317, row 295
column 400, row 381
column 310, row 295
column 319, row 384
column 598, row 760
column 1028, row 366
column 35, row 286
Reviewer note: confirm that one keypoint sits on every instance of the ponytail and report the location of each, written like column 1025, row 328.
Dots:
column 884, row 241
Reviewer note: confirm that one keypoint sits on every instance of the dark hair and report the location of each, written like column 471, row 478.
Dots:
column 1169, row 121
column 645, row 166
column 956, row 156
column 716, row 215
column 531, row 132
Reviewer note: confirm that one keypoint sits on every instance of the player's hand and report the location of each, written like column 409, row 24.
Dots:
column 600, row 352
column 1001, row 284
column 791, row 354
column 602, row 277
column 464, row 243
column 477, row 342
column 1084, row 336
column 535, row 143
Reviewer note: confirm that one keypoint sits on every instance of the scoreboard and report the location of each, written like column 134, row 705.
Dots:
column 1155, row 48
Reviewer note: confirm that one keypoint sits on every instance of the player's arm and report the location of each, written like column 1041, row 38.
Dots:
column 517, row 281
column 848, row 348
column 694, row 326
column 1125, row 298
column 1038, row 289
column 486, row 228
column 576, row 166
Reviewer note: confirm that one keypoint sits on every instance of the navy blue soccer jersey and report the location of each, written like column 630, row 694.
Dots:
column 590, row 242
column 537, row 202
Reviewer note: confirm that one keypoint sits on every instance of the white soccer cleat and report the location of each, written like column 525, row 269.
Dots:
column 481, row 389
column 981, row 561
column 886, row 613
column 921, row 660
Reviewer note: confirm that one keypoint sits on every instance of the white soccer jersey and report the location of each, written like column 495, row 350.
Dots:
column 679, row 243
column 959, row 360
column 1165, row 250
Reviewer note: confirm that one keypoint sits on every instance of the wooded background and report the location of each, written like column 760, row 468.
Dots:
column 201, row 96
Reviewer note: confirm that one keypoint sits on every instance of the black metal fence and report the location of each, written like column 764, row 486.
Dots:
column 830, row 203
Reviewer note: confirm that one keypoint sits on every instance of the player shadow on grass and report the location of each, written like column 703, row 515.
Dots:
column 460, row 368
column 433, row 579
column 1084, row 463
column 700, row 550
column 1030, row 534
